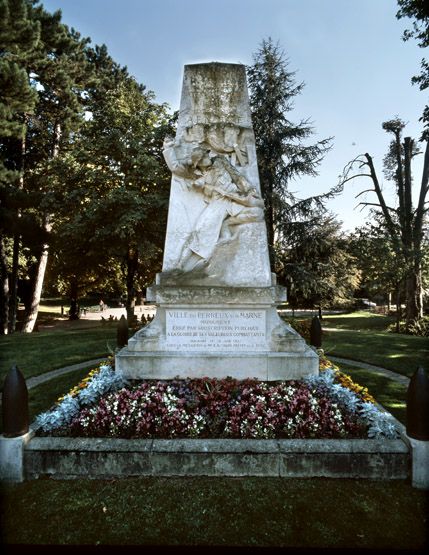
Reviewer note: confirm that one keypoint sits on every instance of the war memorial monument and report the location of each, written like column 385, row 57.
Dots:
column 216, row 297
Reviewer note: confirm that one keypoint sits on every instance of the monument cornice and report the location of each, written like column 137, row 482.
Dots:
column 164, row 294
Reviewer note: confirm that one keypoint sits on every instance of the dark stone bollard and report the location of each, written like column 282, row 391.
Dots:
column 122, row 332
column 418, row 405
column 316, row 332
column 16, row 420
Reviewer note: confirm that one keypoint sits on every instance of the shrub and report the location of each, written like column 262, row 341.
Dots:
column 303, row 327
column 416, row 327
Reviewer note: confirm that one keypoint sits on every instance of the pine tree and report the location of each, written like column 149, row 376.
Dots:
column 59, row 75
column 281, row 145
column 19, row 37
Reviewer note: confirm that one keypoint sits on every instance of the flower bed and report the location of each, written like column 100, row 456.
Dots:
column 330, row 405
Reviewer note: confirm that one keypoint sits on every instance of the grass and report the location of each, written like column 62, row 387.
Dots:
column 390, row 394
column 216, row 511
column 401, row 353
column 362, row 336
column 37, row 353
column 341, row 513
column 359, row 320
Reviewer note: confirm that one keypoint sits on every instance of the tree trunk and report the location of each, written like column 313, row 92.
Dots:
column 4, row 290
column 414, row 295
column 13, row 285
column 132, row 262
column 74, row 305
column 398, row 307
column 269, row 219
column 31, row 315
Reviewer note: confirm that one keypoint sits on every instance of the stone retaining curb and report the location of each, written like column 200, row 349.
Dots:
column 388, row 373
column 37, row 380
column 68, row 458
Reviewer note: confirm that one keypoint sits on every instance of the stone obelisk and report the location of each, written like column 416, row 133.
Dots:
column 216, row 296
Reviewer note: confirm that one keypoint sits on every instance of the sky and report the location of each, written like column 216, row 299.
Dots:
column 349, row 53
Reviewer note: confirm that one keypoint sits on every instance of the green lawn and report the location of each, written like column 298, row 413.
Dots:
column 36, row 353
column 397, row 352
column 220, row 511
column 362, row 336
column 359, row 320
column 217, row 511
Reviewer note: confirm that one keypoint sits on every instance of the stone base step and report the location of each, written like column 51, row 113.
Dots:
column 266, row 366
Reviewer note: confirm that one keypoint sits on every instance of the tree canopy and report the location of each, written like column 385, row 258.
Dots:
column 418, row 11
column 282, row 146
column 81, row 171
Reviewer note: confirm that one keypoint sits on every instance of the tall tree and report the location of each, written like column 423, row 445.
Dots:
column 116, row 201
column 60, row 79
column 19, row 37
column 317, row 266
column 281, row 145
column 418, row 11
column 406, row 223
column 381, row 275
column 45, row 67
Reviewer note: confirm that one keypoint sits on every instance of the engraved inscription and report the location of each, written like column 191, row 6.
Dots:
column 216, row 330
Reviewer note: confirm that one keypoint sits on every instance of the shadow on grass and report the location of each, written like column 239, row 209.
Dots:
column 37, row 353
column 390, row 394
column 360, row 320
column 217, row 511
column 400, row 353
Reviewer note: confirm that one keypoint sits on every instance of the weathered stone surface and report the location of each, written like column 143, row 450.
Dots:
column 93, row 458
column 263, row 366
column 228, row 235
column 420, row 463
column 174, row 295
column 216, row 296
column 12, row 457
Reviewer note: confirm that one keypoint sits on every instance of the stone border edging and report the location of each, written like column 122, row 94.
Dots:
column 42, row 378
column 65, row 458
column 404, row 380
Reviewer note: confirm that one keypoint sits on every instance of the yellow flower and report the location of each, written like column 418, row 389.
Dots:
column 346, row 380
column 83, row 383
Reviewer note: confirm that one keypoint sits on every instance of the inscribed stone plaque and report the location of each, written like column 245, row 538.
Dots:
column 216, row 329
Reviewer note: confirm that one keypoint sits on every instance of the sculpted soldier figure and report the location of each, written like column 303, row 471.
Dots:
column 230, row 201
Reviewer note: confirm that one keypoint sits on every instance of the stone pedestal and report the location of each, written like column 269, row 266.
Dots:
column 216, row 297
column 420, row 463
column 217, row 332
column 12, row 457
